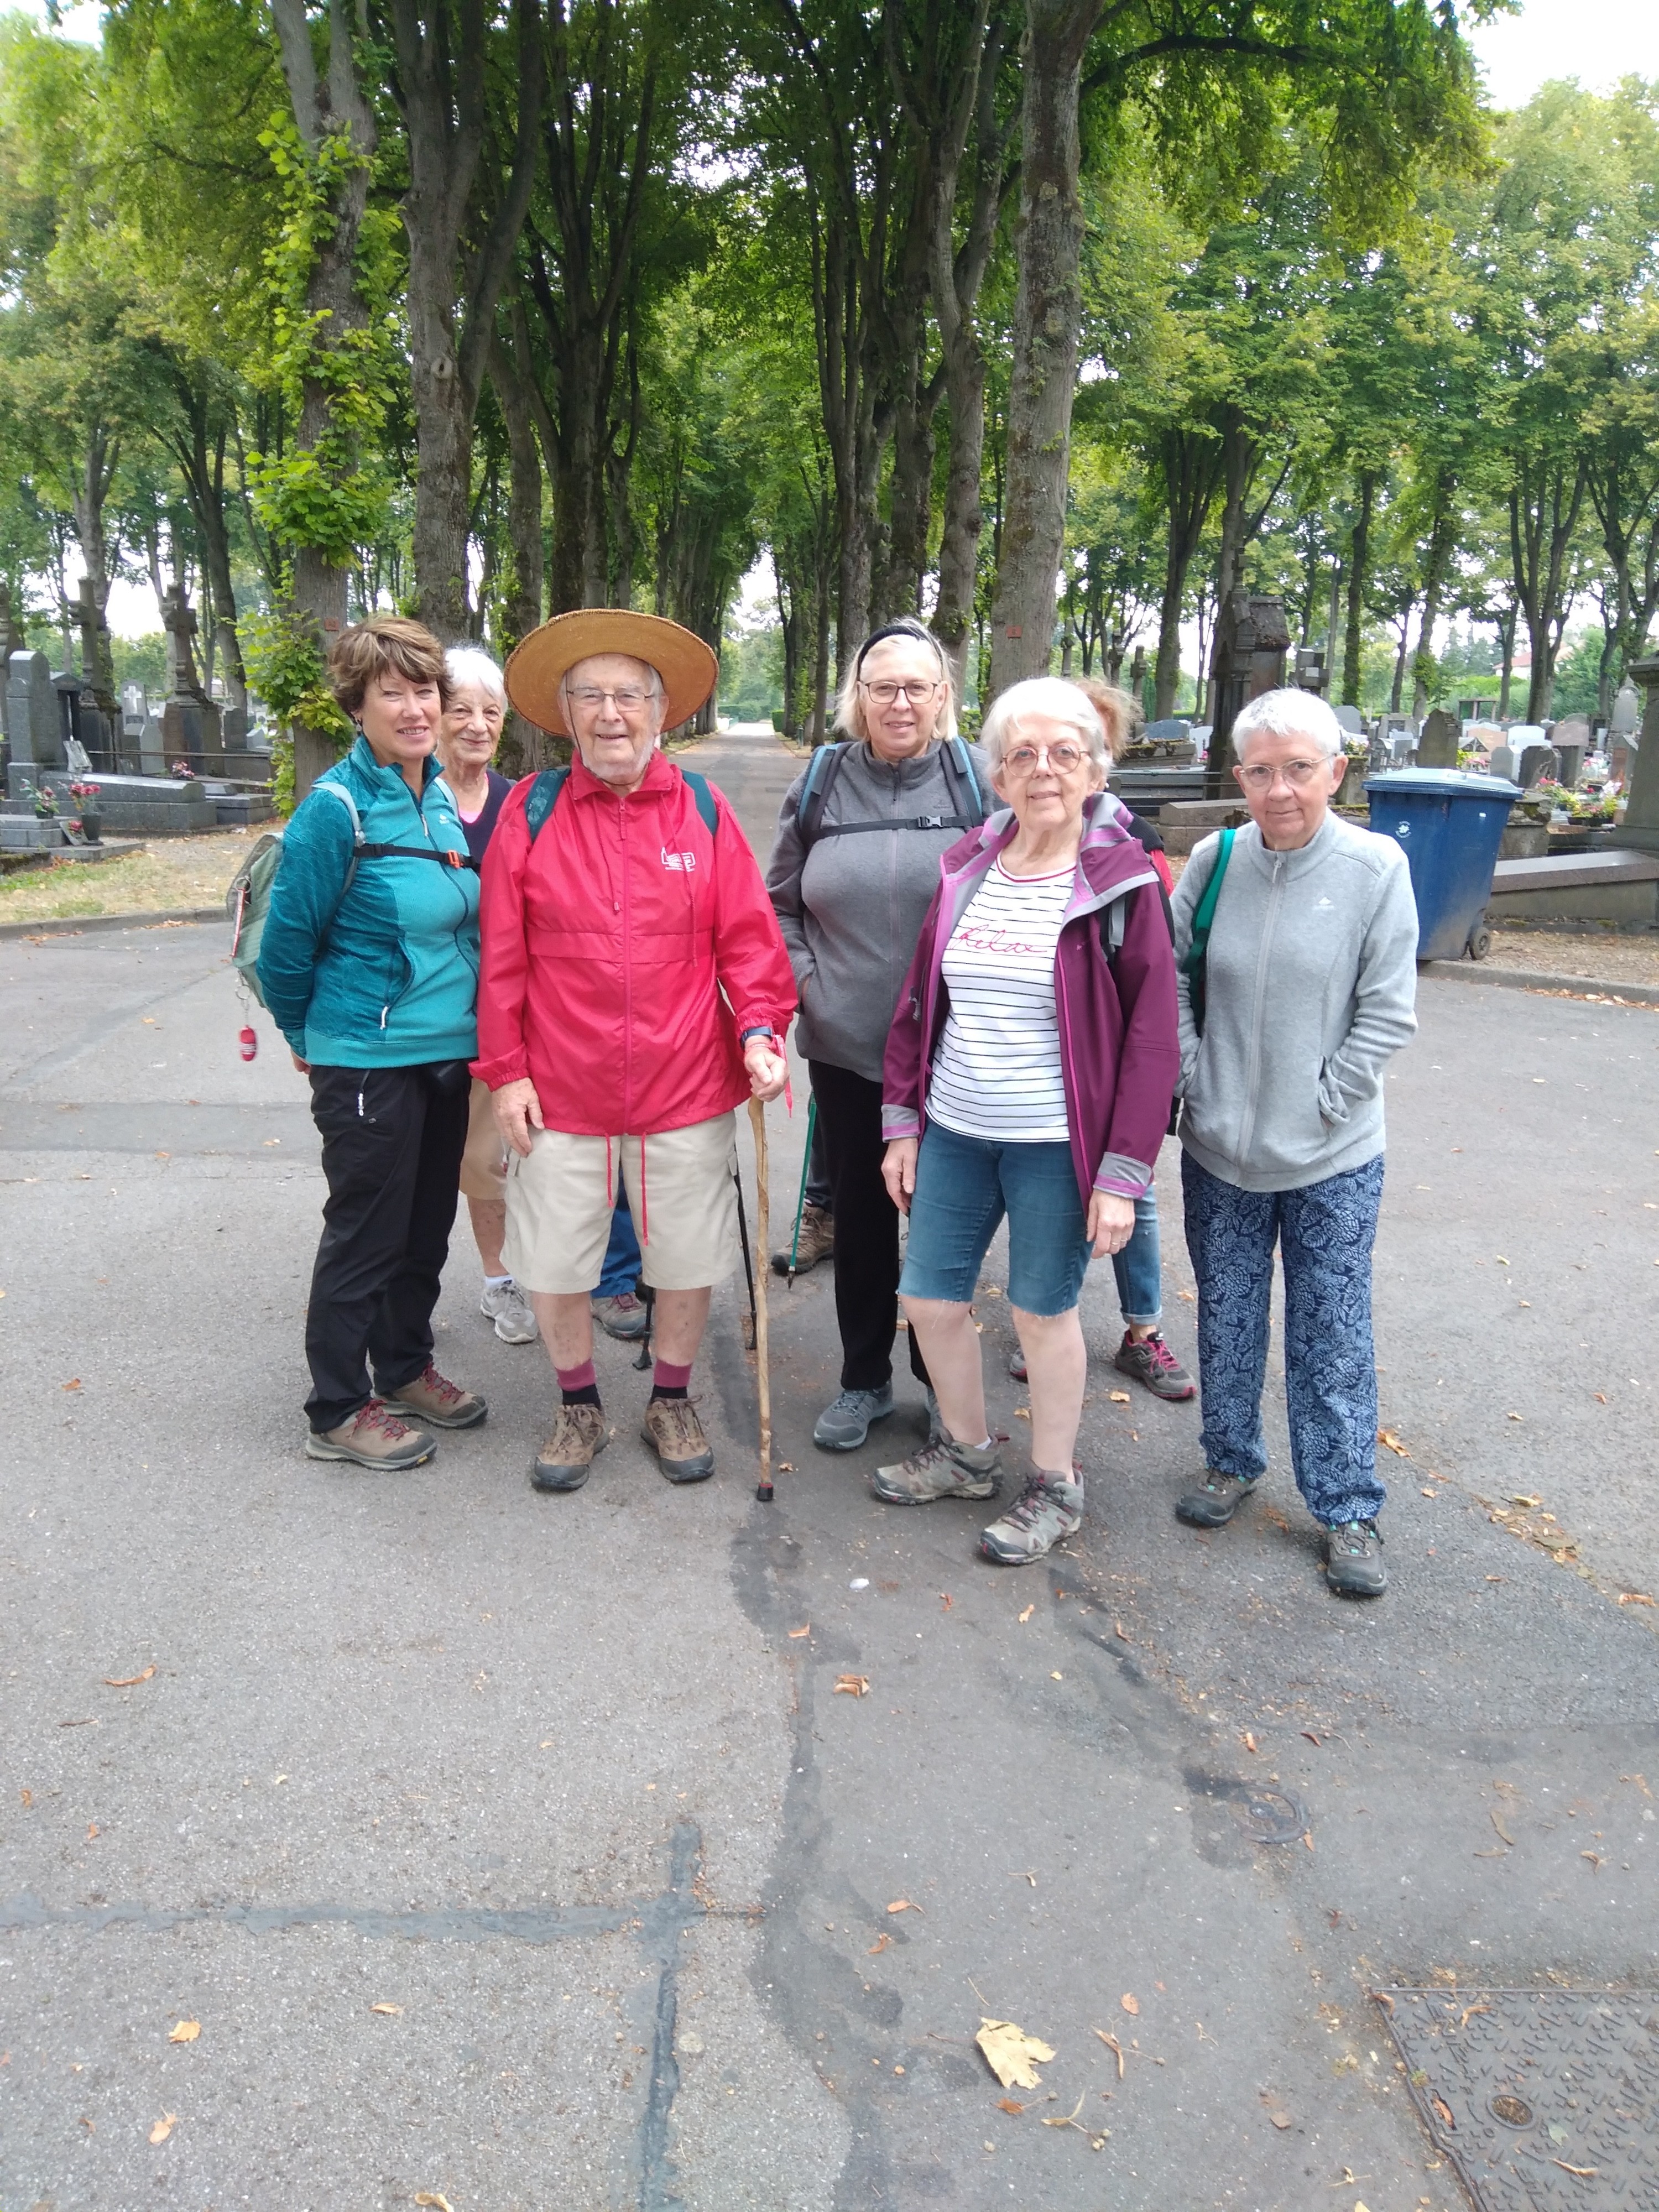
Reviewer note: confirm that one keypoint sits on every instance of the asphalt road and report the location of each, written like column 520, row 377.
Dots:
column 522, row 1851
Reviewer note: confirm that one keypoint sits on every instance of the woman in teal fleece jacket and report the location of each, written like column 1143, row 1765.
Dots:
column 370, row 963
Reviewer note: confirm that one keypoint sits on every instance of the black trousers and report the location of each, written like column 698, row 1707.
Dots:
column 866, row 1228
column 392, row 1139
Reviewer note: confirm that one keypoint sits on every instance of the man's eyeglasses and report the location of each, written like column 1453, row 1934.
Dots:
column 1260, row 779
column 1063, row 758
column 627, row 699
column 884, row 694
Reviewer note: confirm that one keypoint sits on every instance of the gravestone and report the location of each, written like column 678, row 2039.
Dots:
column 1172, row 726
column 152, row 746
column 1251, row 640
column 1351, row 719
column 190, row 729
column 134, row 714
column 1500, row 760
column 1436, row 746
column 1640, row 826
column 1570, row 739
column 1537, row 764
column 1310, row 670
column 1627, row 716
column 32, row 722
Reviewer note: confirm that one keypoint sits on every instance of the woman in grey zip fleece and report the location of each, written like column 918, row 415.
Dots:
column 1305, row 994
column 851, row 875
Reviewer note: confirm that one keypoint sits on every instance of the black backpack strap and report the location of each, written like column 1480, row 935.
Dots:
column 960, row 775
column 418, row 853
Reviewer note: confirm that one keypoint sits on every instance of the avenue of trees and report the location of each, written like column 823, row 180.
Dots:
column 1050, row 319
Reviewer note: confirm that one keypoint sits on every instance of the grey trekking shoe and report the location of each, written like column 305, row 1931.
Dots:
column 623, row 1317
column 944, row 1470
column 845, row 1421
column 506, row 1304
column 1215, row 1501
column 578, row 1438
column 1353, row 1559
column 1155, row 1367
column 935, row 1426
column 1050, row 1509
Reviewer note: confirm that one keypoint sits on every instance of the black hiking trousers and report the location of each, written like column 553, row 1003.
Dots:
column 392, row 1139
column 867, row 1260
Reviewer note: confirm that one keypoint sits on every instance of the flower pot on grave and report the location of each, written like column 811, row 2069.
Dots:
column 92, row 827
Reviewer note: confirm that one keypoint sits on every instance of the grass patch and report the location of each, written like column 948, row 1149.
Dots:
column 182, row 871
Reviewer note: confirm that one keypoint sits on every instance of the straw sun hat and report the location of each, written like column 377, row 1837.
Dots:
column 537, row 668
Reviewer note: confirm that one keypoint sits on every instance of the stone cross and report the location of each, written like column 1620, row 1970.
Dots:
column 1251, row 640
column 179, row 620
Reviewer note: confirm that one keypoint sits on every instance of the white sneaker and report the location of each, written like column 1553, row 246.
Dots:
column 505, row 1305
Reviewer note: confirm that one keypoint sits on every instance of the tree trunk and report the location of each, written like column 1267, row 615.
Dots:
column 1544, row 499
column 98, row 461
column 330, row 108
column 522, row 603
column 1048, row 307
column 1359, row 571
column 1191, row 464
column 1506, row 664
column 1397, row 688
column 1425, row 668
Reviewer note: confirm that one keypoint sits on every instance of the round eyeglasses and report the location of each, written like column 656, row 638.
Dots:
column 1260, row 779
column 1064, row 758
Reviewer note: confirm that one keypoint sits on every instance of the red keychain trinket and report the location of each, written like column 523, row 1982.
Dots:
column 248, row 1039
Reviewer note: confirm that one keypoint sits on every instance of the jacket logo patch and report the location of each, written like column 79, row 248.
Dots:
column 1323, row 906
column 681, row 863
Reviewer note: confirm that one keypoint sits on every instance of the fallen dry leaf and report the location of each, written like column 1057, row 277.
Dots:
column 1595, row 1861
column 903, row 1904
column 1469, row 2012
column 852, row 1686
column 1501, row 1829
column 1022, row 1412
column 92, row 1830
column 1129, row 2003
column 1029, row 1611
column 73, row 1385
column 1387, row 1436
column 1307, row 1838
column 1584, row 2173
column 1187, row 1297
column 1634, row 1597
column 28, row 1796
column 1009, row 2104
column 1520, row 1497
column 883, row 1943
column 127, row 1681
column 186, row 2032
column 1066, row 2119
column 1118, row 1397
column 1249, row 1741
column 1430, row 1494
column 945, row 1600
column 1444, row 2111
column 1281, row 2120
column 1119, row 1630
column 785, row 1467
column 1011, row 2055
column 1312, row 1737
column 164, row 2127
column 432, row 2197
column 1115, row 2047
column 385, row 2008
column 796, row 1633
column 1638, row 1779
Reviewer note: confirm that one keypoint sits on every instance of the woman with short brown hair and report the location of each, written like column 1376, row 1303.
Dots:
column 370, row 963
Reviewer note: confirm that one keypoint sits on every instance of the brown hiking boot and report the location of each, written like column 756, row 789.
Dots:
column 374, row 1437
column 443, row 1404
column 579, row 1437
column 817, row 1241
column 675, row 1434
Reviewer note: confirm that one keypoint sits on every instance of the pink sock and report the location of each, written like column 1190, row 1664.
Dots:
column 670, row 1381
column 576, row 1378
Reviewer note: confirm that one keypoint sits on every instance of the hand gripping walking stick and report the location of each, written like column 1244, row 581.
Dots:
column 758, row 1120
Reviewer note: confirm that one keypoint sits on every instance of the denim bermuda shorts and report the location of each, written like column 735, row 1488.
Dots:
column 964, row 1186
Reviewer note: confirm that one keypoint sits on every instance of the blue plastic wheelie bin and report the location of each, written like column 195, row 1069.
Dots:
column 1451, row 824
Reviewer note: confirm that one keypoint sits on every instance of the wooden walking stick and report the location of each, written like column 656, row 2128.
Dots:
column 757, row 1119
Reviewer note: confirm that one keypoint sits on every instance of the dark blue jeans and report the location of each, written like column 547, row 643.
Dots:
column 620, row 1270
column 1325, row 1232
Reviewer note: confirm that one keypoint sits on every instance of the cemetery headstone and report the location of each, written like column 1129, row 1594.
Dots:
column 33, row 723
column 1251, row 640
column 1640, row 826
column 1536, row 765
column 1437, row 747
column 1500, row 760
column 1351, row 719
column 1627, row 716
column 152, row 746
column 191, row 728
column 1570, row 739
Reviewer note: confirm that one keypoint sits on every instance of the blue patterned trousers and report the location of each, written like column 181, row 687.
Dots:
column 1325, row 1232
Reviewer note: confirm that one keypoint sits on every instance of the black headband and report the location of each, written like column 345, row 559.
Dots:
column 917, row 632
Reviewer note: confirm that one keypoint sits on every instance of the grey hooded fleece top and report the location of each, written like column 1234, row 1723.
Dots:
column 851, row 908
column 1311, row 987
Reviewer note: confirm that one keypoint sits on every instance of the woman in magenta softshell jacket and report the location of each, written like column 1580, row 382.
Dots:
column 1029, row 1073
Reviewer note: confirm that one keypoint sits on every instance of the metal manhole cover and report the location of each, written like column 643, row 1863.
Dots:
column 1274, row 1816
column 1540, row 2098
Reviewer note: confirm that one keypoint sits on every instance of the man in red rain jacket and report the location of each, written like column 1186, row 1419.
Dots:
column 634, row 990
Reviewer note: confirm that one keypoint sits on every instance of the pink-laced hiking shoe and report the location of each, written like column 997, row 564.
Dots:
column 445, row 1404
column 374, row 1437
column 1152, row 1364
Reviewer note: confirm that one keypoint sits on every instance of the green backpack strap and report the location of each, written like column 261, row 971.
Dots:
column 544, row 797
column 1195, row 964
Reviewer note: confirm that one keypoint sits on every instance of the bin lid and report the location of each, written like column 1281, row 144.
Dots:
column 1443, row 782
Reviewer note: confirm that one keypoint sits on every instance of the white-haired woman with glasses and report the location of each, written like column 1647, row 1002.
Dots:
column 1305, row 991
column 1029, row 1073
column 859, row 840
